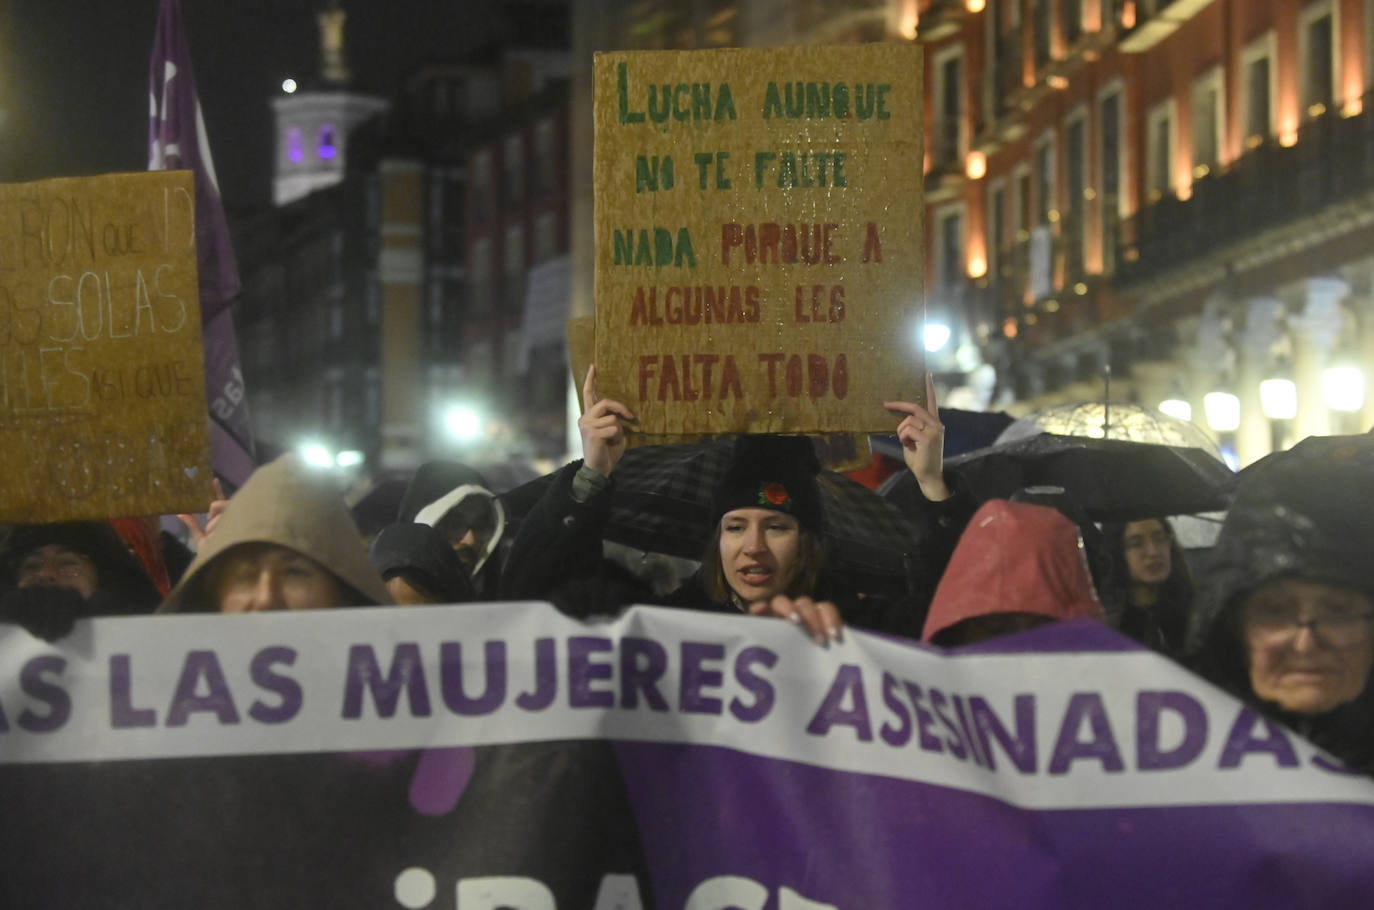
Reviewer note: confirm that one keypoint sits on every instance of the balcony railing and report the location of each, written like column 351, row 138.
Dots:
column 1270, row 186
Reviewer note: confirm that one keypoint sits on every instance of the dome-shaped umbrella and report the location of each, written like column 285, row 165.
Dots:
column 1098, row 420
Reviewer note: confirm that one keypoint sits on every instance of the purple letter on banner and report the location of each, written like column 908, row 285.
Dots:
column 1148, row 705
column 545, row 677
column 638, row 676
column 123, row 714
column 284, row 686
column 582, row 672
column 849, row 680
column 451, row 678
column 217, row 700
column 1240, row 742
column 55, row 697
column 695, row 677
column 756, row 685
column 407, row 672
column 1021, row 749
column 900, row 735
column 1068, row 748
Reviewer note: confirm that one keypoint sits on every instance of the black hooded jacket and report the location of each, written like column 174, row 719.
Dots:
column 1296, row 518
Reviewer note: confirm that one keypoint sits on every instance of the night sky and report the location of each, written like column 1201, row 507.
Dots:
column 76, row 75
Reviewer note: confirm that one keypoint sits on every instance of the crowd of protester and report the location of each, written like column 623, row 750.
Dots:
column 1281, row 613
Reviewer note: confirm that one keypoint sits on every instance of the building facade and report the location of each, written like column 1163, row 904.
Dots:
column 385, row 293
column 1172, row 191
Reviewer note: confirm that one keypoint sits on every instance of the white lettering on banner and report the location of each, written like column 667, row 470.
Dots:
column 727, row 891
column 499, row 892
column 1054, row 730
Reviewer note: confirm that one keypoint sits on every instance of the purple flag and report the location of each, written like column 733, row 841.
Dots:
column 177, row 140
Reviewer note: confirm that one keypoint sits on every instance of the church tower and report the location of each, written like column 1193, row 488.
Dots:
column 313, row 123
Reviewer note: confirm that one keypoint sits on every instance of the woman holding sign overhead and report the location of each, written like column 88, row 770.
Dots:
column 765, row 555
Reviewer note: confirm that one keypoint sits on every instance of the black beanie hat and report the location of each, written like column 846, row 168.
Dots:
column 772, row 472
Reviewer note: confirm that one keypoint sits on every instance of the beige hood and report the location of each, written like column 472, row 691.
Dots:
column 285, row 503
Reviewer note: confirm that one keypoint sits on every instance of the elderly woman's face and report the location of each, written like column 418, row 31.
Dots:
column 760, row 551
column 1309, row 644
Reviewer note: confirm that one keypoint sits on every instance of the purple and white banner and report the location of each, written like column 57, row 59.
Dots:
column 502, row 755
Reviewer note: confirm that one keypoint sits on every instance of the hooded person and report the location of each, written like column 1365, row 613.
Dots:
column 1285, row 612
column 60, row 573
column 1017, row 566
column 456, row 500
column 419, row 566
column 285, row 542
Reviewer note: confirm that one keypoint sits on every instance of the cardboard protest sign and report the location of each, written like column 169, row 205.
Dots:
column 759, row 253
column 504, row 755
column 102, row 389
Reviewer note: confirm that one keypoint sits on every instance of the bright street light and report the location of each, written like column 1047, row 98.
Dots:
column 463, row 422
column 288, row 85
column 1222, row 410
column 316, row 455
column 349, row 458
column 1279, row 399
column 935, row 336
column 1344, row 388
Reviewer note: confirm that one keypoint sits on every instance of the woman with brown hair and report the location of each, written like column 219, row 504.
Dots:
column 764, row 556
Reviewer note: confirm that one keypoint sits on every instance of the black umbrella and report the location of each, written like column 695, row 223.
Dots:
column 662, row 504
column 1111, row 479
column 1353, row 452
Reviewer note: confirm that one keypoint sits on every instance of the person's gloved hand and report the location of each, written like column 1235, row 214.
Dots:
column 46, row 611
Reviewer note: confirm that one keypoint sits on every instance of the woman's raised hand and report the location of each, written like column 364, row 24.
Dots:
column 923, row 442
column 603, row 435
column 818, row 619
column 217, row 507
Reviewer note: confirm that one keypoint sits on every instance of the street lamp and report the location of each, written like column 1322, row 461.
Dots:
column 463, row 422
column 935, row 336
column 1279, row 398
column 1344, row 388
column 1222, row 410
column 349, row 458
column 317, row 456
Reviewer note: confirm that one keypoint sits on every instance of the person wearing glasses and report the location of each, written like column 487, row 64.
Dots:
column 56, row 574
column 1286, row 619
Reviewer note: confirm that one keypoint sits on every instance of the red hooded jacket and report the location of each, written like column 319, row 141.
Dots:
column 1014, row 558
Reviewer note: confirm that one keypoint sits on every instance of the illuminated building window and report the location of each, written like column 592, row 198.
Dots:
column 1112, row 169
column 949, row 249
column 1208, row 118
column 1046, row 205
column 1076, row 177
column 1159, row 132
column 949, row 114
column 1318, row 56
column 293, row 145
column 1259, row 90
column 326, row 144
column 996, row 223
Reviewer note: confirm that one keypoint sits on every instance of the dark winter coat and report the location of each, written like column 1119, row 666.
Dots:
column 557, row 556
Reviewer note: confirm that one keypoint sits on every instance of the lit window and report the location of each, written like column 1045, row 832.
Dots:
column 327, row 149
column 293, row 145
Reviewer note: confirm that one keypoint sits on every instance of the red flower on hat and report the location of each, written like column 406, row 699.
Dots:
column 774, row 493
